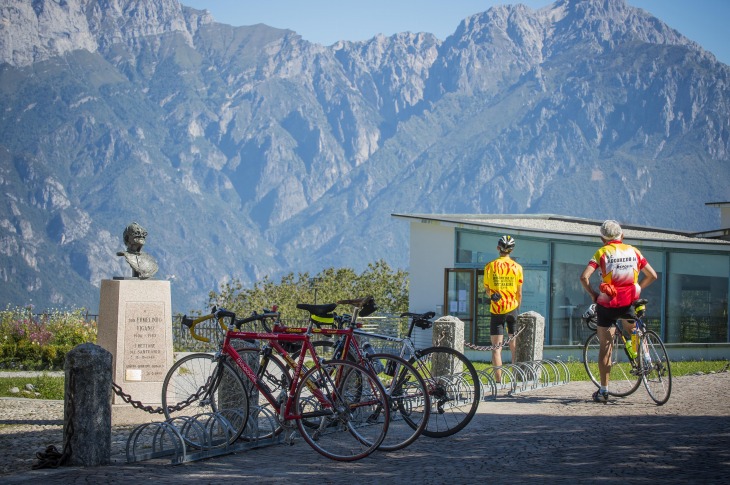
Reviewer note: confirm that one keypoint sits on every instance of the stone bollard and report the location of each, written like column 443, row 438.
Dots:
column 87, row 420
column 448, row 331
column 529, row 343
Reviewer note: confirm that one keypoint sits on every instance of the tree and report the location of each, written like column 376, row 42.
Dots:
column 388, row 287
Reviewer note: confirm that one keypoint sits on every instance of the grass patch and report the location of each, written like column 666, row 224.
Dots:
column 51, row 387
column 682, row 368
column 44, row 387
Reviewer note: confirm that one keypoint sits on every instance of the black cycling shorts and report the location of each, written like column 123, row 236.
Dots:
column 496, row 326
column 608, row 316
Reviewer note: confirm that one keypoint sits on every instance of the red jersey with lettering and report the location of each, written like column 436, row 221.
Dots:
column 620, row 265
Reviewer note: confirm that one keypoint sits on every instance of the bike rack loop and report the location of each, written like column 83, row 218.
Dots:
column 190, row 438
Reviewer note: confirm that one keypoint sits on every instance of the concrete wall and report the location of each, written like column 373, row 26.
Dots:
column 432, row 250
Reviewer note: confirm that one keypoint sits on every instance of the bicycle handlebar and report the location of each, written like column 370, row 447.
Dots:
column 220, row 314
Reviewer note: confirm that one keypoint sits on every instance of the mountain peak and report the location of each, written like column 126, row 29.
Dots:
column 40, row 30
column 247, row 152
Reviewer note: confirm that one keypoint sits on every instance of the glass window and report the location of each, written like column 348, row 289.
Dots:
column 481, row 248
column 653, row 293
column 569, row 299
column 697, row 292
column 458, row 298
column 471, row 247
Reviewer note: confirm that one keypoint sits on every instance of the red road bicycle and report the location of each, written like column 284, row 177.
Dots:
column 339, row 408
column 406, row 390
column 452, row 382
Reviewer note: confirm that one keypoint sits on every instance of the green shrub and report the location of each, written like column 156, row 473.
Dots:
column 38, row 342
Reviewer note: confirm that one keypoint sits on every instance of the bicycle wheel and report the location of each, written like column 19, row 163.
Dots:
column 453, row 387
column 342, row 411
column 263, row 422
column 656, row 368
column 622, row 379
column 208, row 397
column 410, row 404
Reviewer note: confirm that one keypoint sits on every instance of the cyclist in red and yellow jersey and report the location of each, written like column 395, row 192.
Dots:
column 503, row 285
column 619, row 265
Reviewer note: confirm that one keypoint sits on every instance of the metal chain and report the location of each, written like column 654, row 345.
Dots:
column 52, row 458
column 160, row 410
column 494, row 347
column 135, row 404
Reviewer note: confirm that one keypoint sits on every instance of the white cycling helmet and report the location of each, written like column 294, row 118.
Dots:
column 506, row 244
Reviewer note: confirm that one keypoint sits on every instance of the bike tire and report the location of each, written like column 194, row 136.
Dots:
column 217, row 401
column 333, row 403
column 623, row 379
column 656, row 370
column 407, row 393
column 453, row 387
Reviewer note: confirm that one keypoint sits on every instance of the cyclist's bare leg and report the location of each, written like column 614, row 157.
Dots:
column 605, row 338
column 497, row 356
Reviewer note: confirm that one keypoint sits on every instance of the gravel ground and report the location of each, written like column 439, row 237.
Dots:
column 28, row 426
column 549, row 435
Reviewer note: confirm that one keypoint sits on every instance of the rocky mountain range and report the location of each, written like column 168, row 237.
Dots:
column 250, row 151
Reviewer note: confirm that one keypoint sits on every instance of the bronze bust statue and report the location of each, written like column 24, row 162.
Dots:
column 143, row 265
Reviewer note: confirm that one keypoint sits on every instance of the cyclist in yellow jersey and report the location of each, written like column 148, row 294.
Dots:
column 503, row 286
column 620, row 265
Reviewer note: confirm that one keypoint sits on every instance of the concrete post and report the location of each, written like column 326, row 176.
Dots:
column 448, row 331
column 529, row 343
column 87, row 420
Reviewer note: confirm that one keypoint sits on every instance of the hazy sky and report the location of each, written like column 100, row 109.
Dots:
column 327, row 21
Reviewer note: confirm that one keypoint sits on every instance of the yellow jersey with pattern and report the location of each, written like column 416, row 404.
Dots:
column 503, row 276
column 620, row 265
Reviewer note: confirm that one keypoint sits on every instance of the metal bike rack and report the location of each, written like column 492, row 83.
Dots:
column 523, row 376
column 190, row 438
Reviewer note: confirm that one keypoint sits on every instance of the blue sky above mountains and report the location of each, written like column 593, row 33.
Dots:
column 327, row 21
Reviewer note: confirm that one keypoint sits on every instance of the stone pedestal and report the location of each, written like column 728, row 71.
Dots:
column 448, row 331
column 529, row 343
column 135, row 325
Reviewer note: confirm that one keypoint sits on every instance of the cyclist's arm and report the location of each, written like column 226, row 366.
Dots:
column 585, row 280
column 649, row 276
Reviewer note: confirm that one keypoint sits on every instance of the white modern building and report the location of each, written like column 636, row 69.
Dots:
column 688, row 305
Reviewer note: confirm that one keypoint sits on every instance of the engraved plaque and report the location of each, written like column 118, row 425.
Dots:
column 144, row 342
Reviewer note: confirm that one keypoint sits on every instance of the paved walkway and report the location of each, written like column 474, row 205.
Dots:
column 552, row 435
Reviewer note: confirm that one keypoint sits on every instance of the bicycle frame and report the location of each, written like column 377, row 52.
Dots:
column 640, row 328
column 274, row 340
column 339, row 408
